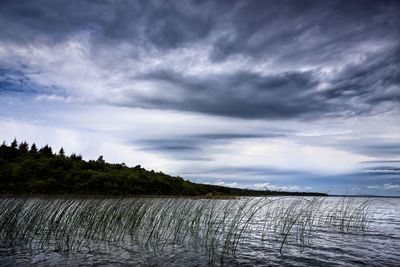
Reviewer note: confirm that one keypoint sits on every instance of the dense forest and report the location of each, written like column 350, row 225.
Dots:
column 27, row 169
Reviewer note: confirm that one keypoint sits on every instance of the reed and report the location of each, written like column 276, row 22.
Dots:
column 216, row 226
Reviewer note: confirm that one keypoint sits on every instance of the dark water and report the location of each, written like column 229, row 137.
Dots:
column 261, row 245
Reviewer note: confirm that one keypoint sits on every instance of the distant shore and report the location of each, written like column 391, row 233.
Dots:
column 32, row 171
column 207, row 196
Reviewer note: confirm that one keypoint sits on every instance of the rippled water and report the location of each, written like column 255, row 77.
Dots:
column 191, row 234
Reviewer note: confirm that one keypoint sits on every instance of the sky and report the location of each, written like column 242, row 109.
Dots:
column 283, row 95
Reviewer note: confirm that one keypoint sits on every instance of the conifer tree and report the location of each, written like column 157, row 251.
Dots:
column 61, row 153
column 46, row 150
column 14, row 143
column 33, row 149
column 23, row 147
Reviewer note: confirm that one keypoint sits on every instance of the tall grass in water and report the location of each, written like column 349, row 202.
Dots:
column 217, row 227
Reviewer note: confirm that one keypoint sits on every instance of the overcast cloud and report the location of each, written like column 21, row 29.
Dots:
column 290, row 94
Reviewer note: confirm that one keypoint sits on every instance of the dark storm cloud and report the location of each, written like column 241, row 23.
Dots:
column 242, row 94
column 308, row 31
column 170, row 145
column 186, row 145
column 165, row 25
column 256, row 28
column 369, row 83
column 291, row 35
column 286, row 95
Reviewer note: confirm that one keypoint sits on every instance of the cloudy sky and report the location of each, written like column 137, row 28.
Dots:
column 293, row 95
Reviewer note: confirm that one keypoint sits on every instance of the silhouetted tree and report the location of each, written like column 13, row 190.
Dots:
column 23, row 147
column 14, row 143
column 61, row 152
column 75, row 157
column 33, row 149
column 46, row 151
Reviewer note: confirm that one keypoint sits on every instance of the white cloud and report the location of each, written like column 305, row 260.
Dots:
column 234, row 184
column 268, row 186
column 390, row 186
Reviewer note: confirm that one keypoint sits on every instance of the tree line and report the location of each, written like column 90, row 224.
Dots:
column 28, row 169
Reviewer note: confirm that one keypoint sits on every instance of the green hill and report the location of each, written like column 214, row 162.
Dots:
column 29, row 170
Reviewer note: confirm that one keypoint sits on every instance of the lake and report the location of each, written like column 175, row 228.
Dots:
column 274, row 231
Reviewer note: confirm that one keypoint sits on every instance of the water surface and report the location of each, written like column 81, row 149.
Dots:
column 297, row 231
